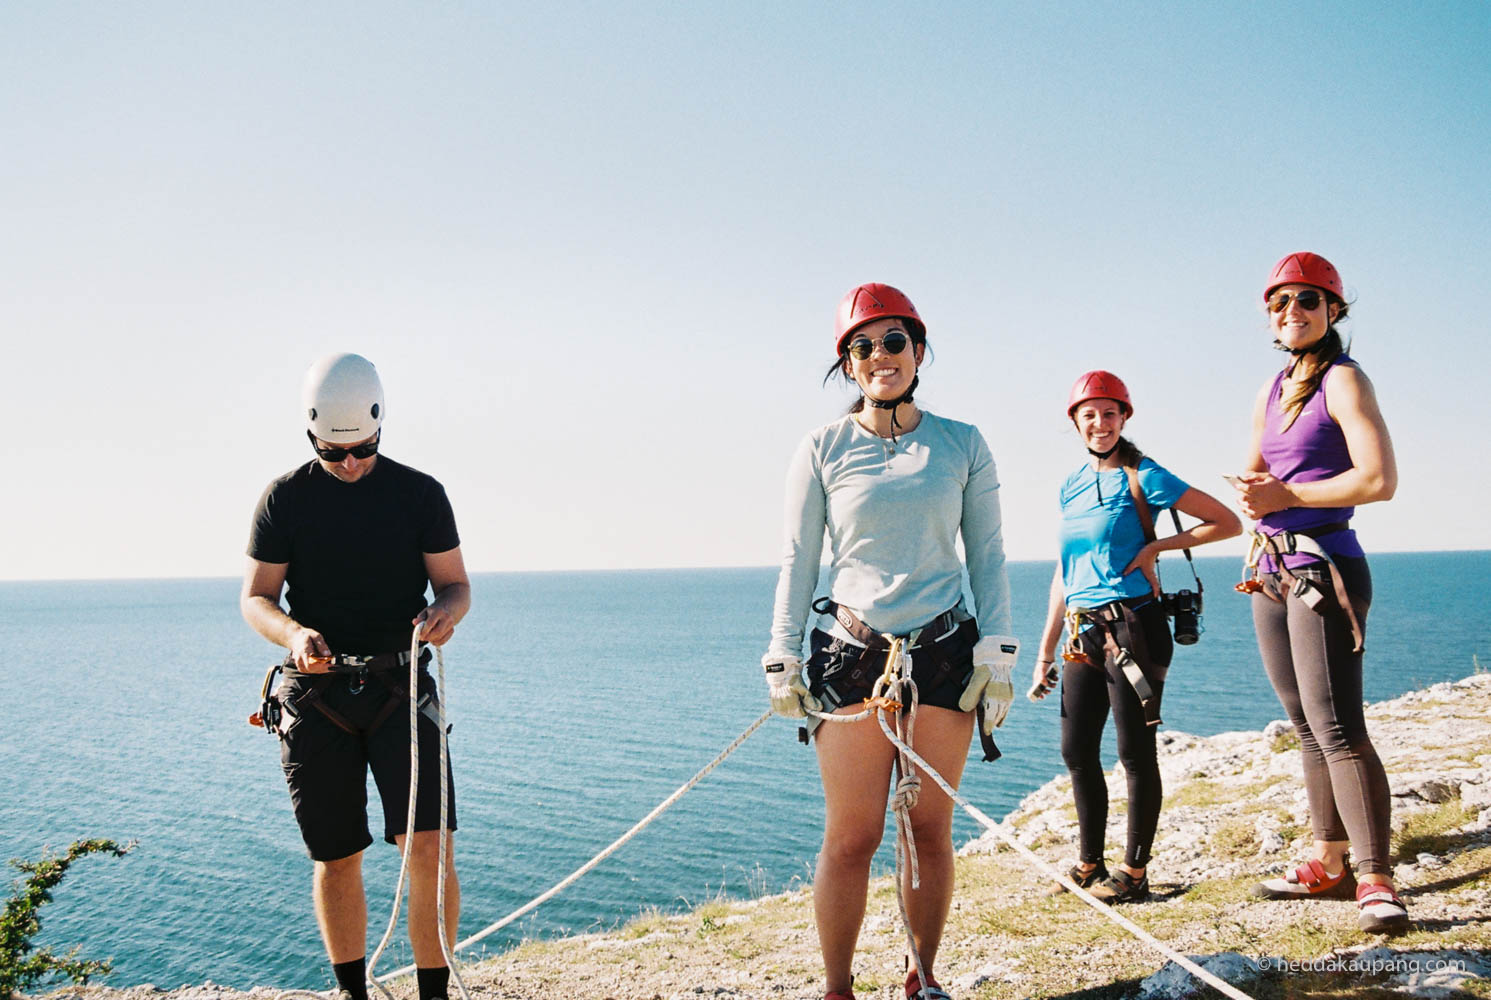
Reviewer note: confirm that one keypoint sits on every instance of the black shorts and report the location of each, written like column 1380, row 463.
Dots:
column 326, row 767
column 841, row 673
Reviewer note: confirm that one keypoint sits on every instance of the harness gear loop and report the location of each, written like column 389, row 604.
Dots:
column 1291, row 543
column 268, row 715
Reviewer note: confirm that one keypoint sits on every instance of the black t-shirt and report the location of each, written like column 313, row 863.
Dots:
column 356, row 550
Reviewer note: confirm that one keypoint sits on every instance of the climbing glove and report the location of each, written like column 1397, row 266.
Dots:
column 993, row 662
column 789, row 695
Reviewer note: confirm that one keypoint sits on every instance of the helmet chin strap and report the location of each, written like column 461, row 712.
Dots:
column 891, row 404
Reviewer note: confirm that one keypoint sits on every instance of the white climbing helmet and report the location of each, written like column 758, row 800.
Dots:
column 343, row 399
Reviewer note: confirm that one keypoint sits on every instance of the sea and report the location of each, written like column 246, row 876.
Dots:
column 579, row 700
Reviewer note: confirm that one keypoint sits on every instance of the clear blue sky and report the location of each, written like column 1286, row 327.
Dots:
column 595, row 251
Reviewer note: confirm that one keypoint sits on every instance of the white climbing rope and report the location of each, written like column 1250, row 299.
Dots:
column 1082, row 894
column 893, row 681
column 611, row 849
column 893, row 689
column 443, row 849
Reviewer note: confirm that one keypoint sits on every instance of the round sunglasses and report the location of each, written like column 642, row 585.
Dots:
column 1309, row 300
column 861, row 348
column 365, row 450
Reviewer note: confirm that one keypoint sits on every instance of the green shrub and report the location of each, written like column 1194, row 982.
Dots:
column 22, row 964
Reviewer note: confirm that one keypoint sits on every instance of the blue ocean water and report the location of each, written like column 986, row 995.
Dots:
column 579, row 701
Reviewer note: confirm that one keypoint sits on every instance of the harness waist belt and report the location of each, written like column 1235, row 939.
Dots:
column 1286, row 535
column 349, row 663
column 939, row 628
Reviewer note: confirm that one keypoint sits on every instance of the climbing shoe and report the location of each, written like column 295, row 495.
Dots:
column 1084, row 880
column 1309, row 880
column 1121, row 887
column 916, row 991
column 1380, row 909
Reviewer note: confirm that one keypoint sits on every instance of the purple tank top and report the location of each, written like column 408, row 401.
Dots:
column 1313, row 448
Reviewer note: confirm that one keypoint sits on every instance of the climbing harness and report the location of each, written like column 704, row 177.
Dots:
column 274, row 706
column 937, row 630
column 1307, row 589
column 1123, row 642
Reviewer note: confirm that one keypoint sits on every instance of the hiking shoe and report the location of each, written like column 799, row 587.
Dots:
column 839, row 995
column 916, row 991
column 1309, row 880
column 1381, row 911
column 1084, row 880
column 1121, row 887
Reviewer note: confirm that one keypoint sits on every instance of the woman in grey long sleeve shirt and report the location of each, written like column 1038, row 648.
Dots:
column 893, row 487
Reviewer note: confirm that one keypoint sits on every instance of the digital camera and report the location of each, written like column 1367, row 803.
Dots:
column 1185, row 607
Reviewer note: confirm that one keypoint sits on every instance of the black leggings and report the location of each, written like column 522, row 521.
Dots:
column 1087, row 692
column 1319, row 682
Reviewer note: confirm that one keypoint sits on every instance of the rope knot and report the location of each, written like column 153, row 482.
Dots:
column 908, row 788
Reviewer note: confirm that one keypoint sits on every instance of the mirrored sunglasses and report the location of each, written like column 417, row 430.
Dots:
column 1309, row 300
column 861, row 348
column 365, row 450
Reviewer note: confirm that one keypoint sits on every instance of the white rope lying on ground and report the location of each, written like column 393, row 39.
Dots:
column 614, row 846
column 1082, row 894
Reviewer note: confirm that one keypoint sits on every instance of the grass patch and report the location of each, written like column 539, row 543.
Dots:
column 1199, row 793
column 1285, row 741
column 649, row 921
column 1428, row 832
column 1220, row 891
column 1233, row 840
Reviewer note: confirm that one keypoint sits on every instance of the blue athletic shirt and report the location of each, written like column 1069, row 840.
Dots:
column 1100, row 537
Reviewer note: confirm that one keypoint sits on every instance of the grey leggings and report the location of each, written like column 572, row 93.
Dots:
column 1319, row 682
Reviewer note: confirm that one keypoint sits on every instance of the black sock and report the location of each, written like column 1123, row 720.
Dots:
column 432, row 982
column 353, row 977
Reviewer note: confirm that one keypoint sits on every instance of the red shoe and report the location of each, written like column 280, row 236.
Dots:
column 1381, row 911
column 916, row 991
column 1309, row 880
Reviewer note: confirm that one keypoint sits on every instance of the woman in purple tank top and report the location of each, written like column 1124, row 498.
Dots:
column 1320, row 448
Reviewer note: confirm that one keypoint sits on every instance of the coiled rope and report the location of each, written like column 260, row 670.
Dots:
column 895, row 678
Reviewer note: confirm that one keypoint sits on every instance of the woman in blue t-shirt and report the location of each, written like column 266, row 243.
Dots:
column 1106, row 595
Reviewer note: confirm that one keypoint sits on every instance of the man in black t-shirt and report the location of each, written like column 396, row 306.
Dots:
column 352, row 539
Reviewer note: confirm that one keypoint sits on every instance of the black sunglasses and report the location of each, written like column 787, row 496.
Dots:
column 861, row 348
column 365, row 450
column 1309, row 300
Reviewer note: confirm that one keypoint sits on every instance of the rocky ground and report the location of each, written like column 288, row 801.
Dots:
column 1235, row 809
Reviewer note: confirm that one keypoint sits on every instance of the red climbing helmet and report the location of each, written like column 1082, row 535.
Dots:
column 1305, row 268
column 869, row 302
column 1100, row 385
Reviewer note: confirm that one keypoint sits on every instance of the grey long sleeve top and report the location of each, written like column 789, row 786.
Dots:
column 893, row 516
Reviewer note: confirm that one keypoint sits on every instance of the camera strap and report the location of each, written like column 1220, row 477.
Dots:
column 1146, row 521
